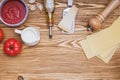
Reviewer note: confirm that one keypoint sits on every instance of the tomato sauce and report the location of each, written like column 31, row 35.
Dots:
column 13, row 11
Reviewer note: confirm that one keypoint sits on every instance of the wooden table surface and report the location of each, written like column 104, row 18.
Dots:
column 60, row 58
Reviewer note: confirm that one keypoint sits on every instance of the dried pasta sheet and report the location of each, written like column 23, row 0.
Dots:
column 104, row 43
column 108, row 53
column 86, row 49
column 104, row 40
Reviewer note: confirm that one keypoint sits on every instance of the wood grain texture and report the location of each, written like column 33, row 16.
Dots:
column 60, row 58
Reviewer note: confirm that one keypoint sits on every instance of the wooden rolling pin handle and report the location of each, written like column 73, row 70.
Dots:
column 95, row 23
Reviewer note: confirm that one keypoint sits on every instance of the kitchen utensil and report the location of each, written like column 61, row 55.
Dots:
column 95, row 23
column 49, row 5
column 65, row 11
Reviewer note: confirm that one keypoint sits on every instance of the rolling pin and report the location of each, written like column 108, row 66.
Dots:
column 95, row 22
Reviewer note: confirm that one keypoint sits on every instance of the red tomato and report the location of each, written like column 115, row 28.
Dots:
column 1, row 34
column 12, row 47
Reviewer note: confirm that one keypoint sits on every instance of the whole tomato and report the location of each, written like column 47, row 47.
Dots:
column 12, row 47
column 1, row 34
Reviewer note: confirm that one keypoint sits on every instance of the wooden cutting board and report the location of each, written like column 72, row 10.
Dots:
column 60, row 58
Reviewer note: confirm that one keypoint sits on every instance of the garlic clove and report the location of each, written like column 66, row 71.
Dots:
column 32, row 7
column 31, row 1
column 40, row 6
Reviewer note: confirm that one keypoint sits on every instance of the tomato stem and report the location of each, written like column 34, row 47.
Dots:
column 11, row 47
